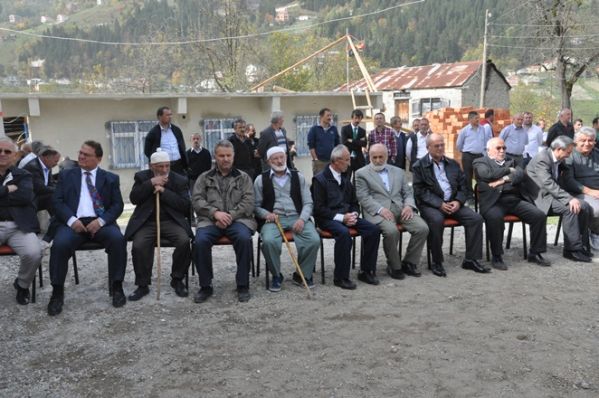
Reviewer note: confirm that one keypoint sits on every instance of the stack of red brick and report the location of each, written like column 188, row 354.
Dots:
column 449, row 121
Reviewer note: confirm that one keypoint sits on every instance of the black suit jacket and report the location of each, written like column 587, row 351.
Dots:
column 330, row 198
column 43, row 193
column 153, row 141
column 486, row 170
column 267, row 140
column 20, row 203
column 347, row 133
column 427, row 190
column 175, row 201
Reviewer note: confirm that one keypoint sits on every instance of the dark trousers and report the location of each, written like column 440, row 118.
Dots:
column 206, row 237
column 144, row 242
column 371, row 235
column 527, row 212
column 576, row 226
column 66, row 241
column 467, row 159
column 473, row 225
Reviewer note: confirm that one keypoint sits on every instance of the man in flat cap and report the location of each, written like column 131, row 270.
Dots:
column 174, row 223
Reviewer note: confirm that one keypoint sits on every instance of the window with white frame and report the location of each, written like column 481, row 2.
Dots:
column 127, row 143
column 423, row 105
column 303, row 124
column 216, row 130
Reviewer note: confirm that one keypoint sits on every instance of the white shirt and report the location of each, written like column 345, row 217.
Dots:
column 421, row 150
column 442, row 179
column 169, row 144
column 337, row 177
column 535, row 140
column 45, row 170
column 86, row 205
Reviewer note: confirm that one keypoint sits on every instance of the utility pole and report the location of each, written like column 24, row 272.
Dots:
column 483, row 77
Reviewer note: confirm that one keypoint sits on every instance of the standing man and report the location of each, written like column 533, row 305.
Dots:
column 439, row 190
column 415, row 126
column 87, row 202
column 198, row 159
column 499, row 180
column 383, row 135
column 336, row 209
column 174, row 226
column 243, row 149
column 596, row 128
column 30, row 150
column 169, row 138
column 274, row 135
column 18, row 223
column 400, row 142
column 535, row 138
column 387, row 201
column 354, row 138
column 561, row 127
column 223, row 200
column 516, row 139
column 545, row 170
column 487, row 122
column 322, row 138
column 284, row 195
column 471, row 141
column 416, row 145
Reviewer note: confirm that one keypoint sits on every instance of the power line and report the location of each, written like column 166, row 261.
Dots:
column 543, row 48
column 212, row 40
column 544, row 37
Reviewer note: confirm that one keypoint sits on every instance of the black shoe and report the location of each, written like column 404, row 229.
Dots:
column 243, row 294
column 475, row 266
column 497, row 263
column 536, row 258
column 22, row 294
column 368, row 277
column 344, row 284
column 587, row 252
column 297, row 279
column 203, row 294
column 577, row 256
column 410, row 269
column 139, row 293
column 55, row 304
column 437, row 269
column 118, row 295
column 179, row 286
column 395, row 273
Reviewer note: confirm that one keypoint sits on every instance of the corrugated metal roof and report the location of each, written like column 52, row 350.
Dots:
column 420, row 77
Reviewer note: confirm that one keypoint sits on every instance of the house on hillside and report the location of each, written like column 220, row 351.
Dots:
column 284, row 13
column 410, row 92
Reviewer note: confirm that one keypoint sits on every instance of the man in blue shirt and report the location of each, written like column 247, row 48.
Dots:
column 322, row 138
column 472, row 141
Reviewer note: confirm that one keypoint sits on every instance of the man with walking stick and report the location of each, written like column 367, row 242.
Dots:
column 172, row 222
column 282, row 195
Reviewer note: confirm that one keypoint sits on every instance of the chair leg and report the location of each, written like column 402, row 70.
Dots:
column 321, row 261
column 110, row 291
column 353, row 254
column 75, row 270
column 258, row 255
column 428, row 254
column 41, row 275
column 400, row 245
column 524, row 243
column 451, row 242
column 487, row 250
column 33, row 288
column 509, row 236
column 559, row 226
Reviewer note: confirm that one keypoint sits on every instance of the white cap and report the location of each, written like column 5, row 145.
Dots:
column 273, row 150
column 159, row 156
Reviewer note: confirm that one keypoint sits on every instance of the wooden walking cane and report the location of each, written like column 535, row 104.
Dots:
column 293, row 257
column 159, row 262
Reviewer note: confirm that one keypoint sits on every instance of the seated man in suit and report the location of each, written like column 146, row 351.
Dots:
column 354, row 138
column 87, row 202
column 174, row 224
column 18, row 223
column 223, row 199
column 284, row 195
column 544, row 170
column 440, row 192
column 499, row 180
column 336, row 209
column 41, row 171
column 387, row 200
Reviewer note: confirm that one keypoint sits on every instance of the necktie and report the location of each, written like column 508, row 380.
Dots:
column 355, row 133
column 95, row 195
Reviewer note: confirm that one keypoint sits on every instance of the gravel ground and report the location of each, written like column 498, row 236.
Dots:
column 525, row 332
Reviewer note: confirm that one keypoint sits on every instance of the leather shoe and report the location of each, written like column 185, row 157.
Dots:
column 344, row 284
column 497, row 263
column 577, row 256
column 536, row 258
column 179, row 286
column 368, row 277
column 243, row 294
column 475, row 266
column 139, row 293
column 395, row 273
column 55, row 304
column 587, row 252
column 410, row 269
column 118, row 297
column 22, row 294
column 203, row 294
column 437, row 269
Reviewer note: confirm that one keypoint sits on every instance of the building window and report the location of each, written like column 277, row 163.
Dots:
column 216, row 130
column 424, row 105
column 303, row 124
column 127, row 143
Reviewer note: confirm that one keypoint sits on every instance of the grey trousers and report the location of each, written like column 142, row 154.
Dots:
column 418, row 231
column 28, row 248
column 594, row 203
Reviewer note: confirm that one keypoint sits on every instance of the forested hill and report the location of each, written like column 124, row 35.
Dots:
column 415, row 34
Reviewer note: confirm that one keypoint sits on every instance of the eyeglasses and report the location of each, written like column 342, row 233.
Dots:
column 6, row 151
column 500, row 148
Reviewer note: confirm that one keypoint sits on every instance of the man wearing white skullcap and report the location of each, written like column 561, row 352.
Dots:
column 174, row 223
column 284, row 195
